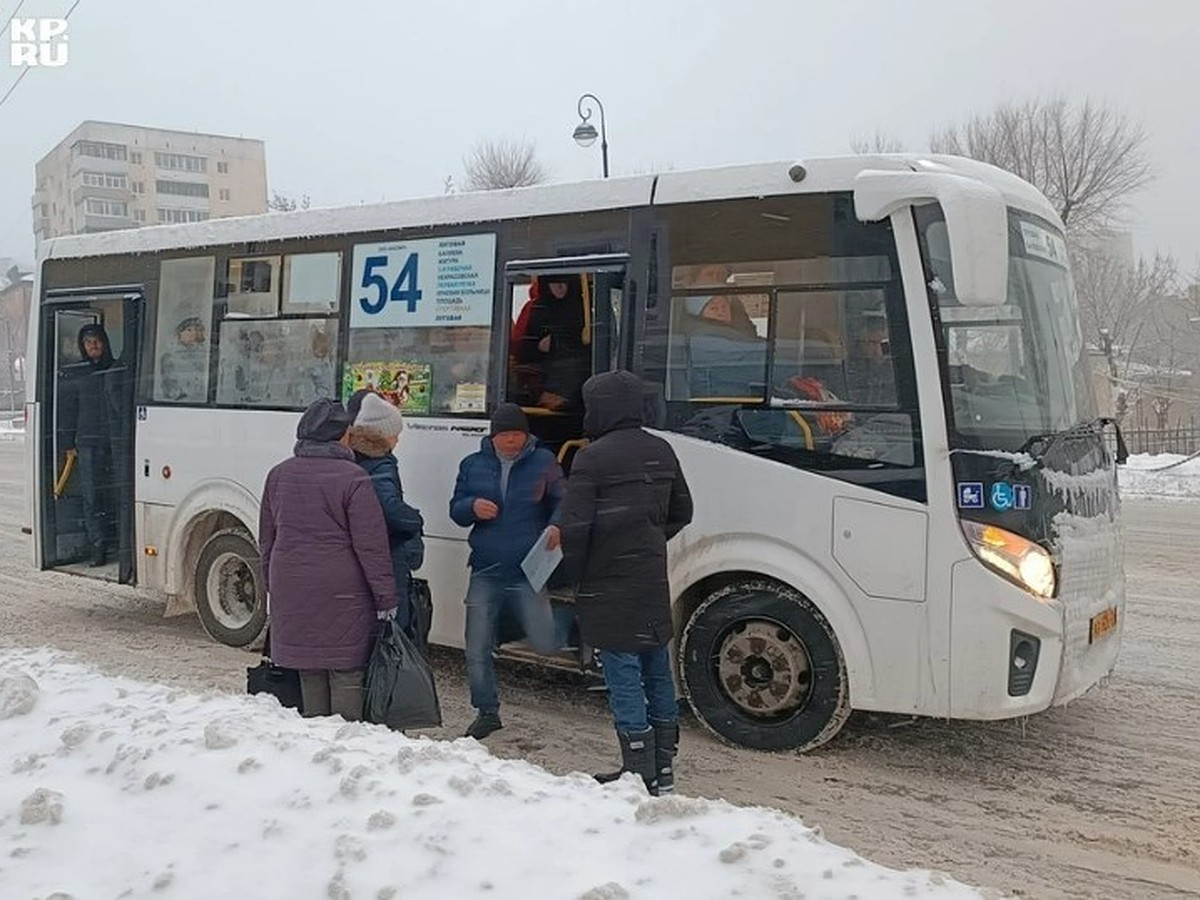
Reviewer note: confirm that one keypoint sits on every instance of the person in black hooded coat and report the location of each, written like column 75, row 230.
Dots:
column 626, row 497
column 92, row 423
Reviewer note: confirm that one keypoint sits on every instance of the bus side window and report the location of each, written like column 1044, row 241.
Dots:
column 184, row 325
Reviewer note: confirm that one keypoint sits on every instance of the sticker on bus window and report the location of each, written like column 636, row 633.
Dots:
column 1002, row 496
column 469, row 398
column 435, row 282
column 403, row 384
column 1022, row 496
column 970, row 494
column 1044, row 243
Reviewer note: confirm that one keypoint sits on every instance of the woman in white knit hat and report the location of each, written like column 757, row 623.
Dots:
column 373, row 437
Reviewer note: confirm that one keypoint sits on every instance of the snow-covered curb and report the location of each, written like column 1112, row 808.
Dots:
column 1160, row 475
column 116, row 788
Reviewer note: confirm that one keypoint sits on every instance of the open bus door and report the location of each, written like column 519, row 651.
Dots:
column 547, row 385
column 87, row 423
column 554, row 349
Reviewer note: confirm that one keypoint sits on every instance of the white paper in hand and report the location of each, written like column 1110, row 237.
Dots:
column 540, row 562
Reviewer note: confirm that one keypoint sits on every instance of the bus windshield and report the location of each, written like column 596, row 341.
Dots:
column 1018, row 369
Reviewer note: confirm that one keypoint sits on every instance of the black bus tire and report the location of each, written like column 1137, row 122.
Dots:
column 231, row 599
column 762, row 668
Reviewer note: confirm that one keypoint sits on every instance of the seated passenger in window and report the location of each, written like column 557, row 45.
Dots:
column 183, row 369
column 555, row 343
column 719, row 350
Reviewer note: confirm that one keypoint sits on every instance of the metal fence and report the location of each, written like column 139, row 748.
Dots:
column 1182, row 438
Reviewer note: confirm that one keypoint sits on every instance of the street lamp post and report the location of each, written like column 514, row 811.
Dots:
column 585, row 132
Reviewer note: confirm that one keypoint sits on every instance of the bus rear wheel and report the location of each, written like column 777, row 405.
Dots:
column 762, row 668
column 230, row 596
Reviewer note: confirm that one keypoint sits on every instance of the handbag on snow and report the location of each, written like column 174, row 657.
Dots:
column 268, row 678
column 399, row 690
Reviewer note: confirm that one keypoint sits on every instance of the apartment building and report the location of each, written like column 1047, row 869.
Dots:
column 104, row 176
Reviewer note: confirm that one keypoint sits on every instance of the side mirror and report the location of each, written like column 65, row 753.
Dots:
column 976, row 219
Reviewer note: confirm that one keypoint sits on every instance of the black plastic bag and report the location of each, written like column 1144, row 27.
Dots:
column 422, row 612
column 399, row 691
column 268, row 678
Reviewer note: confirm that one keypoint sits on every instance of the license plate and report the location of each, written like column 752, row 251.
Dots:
column 1102, row 624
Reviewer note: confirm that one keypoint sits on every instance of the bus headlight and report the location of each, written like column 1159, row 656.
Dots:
column 1021, row 561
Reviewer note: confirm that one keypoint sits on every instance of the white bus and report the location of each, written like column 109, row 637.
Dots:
column 871, row 368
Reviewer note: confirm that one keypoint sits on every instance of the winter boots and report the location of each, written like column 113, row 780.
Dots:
column 666, row 745
column 637, row 756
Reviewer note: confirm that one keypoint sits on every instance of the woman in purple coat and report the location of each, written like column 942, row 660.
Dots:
column 325, row 562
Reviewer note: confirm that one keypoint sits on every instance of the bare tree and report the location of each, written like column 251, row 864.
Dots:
column 1087, row 158
column 283, row 203
column 876, row 143
column 505, row 163
column 1122, row 307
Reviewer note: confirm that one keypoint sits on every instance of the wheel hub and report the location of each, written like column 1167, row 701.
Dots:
column 231, row 584
column 764, row 668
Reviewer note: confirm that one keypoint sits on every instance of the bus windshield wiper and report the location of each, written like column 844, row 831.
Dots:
column 1039, row 445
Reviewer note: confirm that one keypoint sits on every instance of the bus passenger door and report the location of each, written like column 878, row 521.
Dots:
column 87, row 438
column 565, row 317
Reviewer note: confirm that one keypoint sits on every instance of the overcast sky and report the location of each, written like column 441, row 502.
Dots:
column 365, row 101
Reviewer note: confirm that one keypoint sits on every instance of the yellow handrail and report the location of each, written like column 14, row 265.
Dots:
column 567, row 445
column 68, row 467
column 804, row 427
column 586, row 337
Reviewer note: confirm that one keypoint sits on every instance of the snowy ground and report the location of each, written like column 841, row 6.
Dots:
column 1161, row 475
column 1098, row 799
column 115, row 788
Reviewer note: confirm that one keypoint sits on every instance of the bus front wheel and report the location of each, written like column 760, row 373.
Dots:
column 762, row 668
column 230, row 596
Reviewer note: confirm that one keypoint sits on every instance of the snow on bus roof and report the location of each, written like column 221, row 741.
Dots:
column 728, row 182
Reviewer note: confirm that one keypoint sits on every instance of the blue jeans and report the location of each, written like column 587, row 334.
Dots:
column 487, row 597
column 640, row 688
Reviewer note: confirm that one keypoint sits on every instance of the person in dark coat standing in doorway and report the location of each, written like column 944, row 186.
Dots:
column 325, row 562
column 626, row 498
column 96, row 404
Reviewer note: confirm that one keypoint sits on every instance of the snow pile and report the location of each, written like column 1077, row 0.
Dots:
column 1161, row 475
column 112, row 787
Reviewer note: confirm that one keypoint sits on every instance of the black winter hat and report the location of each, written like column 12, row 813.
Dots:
column 325, row 420
column 509, row 417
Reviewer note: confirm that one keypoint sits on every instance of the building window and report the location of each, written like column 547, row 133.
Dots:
column 180, row 162
column 139, row 215
column 100, row 150
column 181, row 188
column 180, row 216
column 94, row 206
column 225, row 195
column 104, row 180
column 135, row 156
column 138, row 187
column 222, row 168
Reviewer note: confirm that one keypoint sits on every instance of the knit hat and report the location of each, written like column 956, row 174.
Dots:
column 379, row 415
column 325, row 420
column 509, row 417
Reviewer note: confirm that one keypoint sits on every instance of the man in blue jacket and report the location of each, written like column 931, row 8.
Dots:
column 507, row 493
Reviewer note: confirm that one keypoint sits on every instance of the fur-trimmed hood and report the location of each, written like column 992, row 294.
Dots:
column 368, row 442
